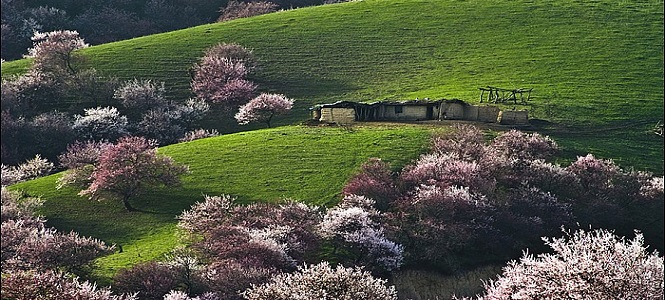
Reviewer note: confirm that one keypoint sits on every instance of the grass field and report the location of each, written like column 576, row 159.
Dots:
column 596, row 68
column 308, row 164
column 590, row 63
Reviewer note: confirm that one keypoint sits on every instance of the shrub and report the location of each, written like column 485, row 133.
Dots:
column 526, row 213
column 465, row 142
column 28, row 244
column 375, row 182
column 22, row 95
column 178, row 295
column 19, row 209
column 101, row 123
column 238, row 9
column 51, row 133
column 264, row 235
column 323, row 282
column 139, row 96
column 198, row 134
column 584, row 265
column 517, row 144
column 263, row 108
column 39, row 247
column 228, row 277
column 152, row 280
column 31, row 169
column 447, row 170
column 354, row 225
column 435, row 224
column 161, row 125
column 168, row 124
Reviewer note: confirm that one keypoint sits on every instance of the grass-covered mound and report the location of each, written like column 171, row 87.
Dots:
column 592, row 63
column 308, row 164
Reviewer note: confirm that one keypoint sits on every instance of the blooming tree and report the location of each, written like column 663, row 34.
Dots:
column 101, row 123
column 222, row 80
column 238, row 9
column 125, row 169
column 263, row 108
column 585, row 265
column 53, row 285
column 353, row 224
column 141, row 95
column 374, row 181
column 322, row 281
column 54, row 51
column 198, row 134
column 31, row 169
column 28, row 244
column 234, row 52
column 470, row 194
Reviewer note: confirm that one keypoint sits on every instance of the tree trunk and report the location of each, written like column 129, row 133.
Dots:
column 125, row 202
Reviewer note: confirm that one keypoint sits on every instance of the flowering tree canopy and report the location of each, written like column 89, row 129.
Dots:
column 126, row 168
column 220, row 76
column 263, row 108
column 322, row 281
column 53, row 51
column 584, row 265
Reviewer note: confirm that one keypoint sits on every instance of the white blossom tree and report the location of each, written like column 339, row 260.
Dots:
column 322, row 281
column 263, row 108
column 590, row 265
column 54, row 51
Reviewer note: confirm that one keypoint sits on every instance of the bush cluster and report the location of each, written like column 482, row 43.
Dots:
column 38, row 262
column 467, row 195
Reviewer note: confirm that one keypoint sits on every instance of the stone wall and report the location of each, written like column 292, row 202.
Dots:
column 452, row 111
column 488, row 114
column 338, row 115
column 513, row 117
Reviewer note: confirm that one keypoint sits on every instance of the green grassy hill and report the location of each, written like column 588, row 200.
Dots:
column 590, row 63
column 308, row 164
column 596, row 69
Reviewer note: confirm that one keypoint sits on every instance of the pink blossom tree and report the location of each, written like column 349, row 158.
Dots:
column 222, row 80
column 263, row 108
column 234, row 52
column 53, row 285
column 28, row 244
column 125, row 169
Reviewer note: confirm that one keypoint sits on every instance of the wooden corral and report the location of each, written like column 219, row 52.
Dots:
column 499, row 95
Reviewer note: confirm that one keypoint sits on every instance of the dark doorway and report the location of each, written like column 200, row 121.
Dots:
column 430, row 112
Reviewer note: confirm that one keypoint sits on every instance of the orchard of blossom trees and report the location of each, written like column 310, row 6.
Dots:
column 469, row 201
column 467, row 196
column 34, row 127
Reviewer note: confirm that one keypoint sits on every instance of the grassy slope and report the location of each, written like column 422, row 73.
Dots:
column 589, row 62
column 308, row 164
column 592, row 63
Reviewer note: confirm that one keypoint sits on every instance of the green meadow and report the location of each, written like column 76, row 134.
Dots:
column 596, row 69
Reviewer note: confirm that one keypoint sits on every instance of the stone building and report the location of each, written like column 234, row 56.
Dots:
column 344, row 112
